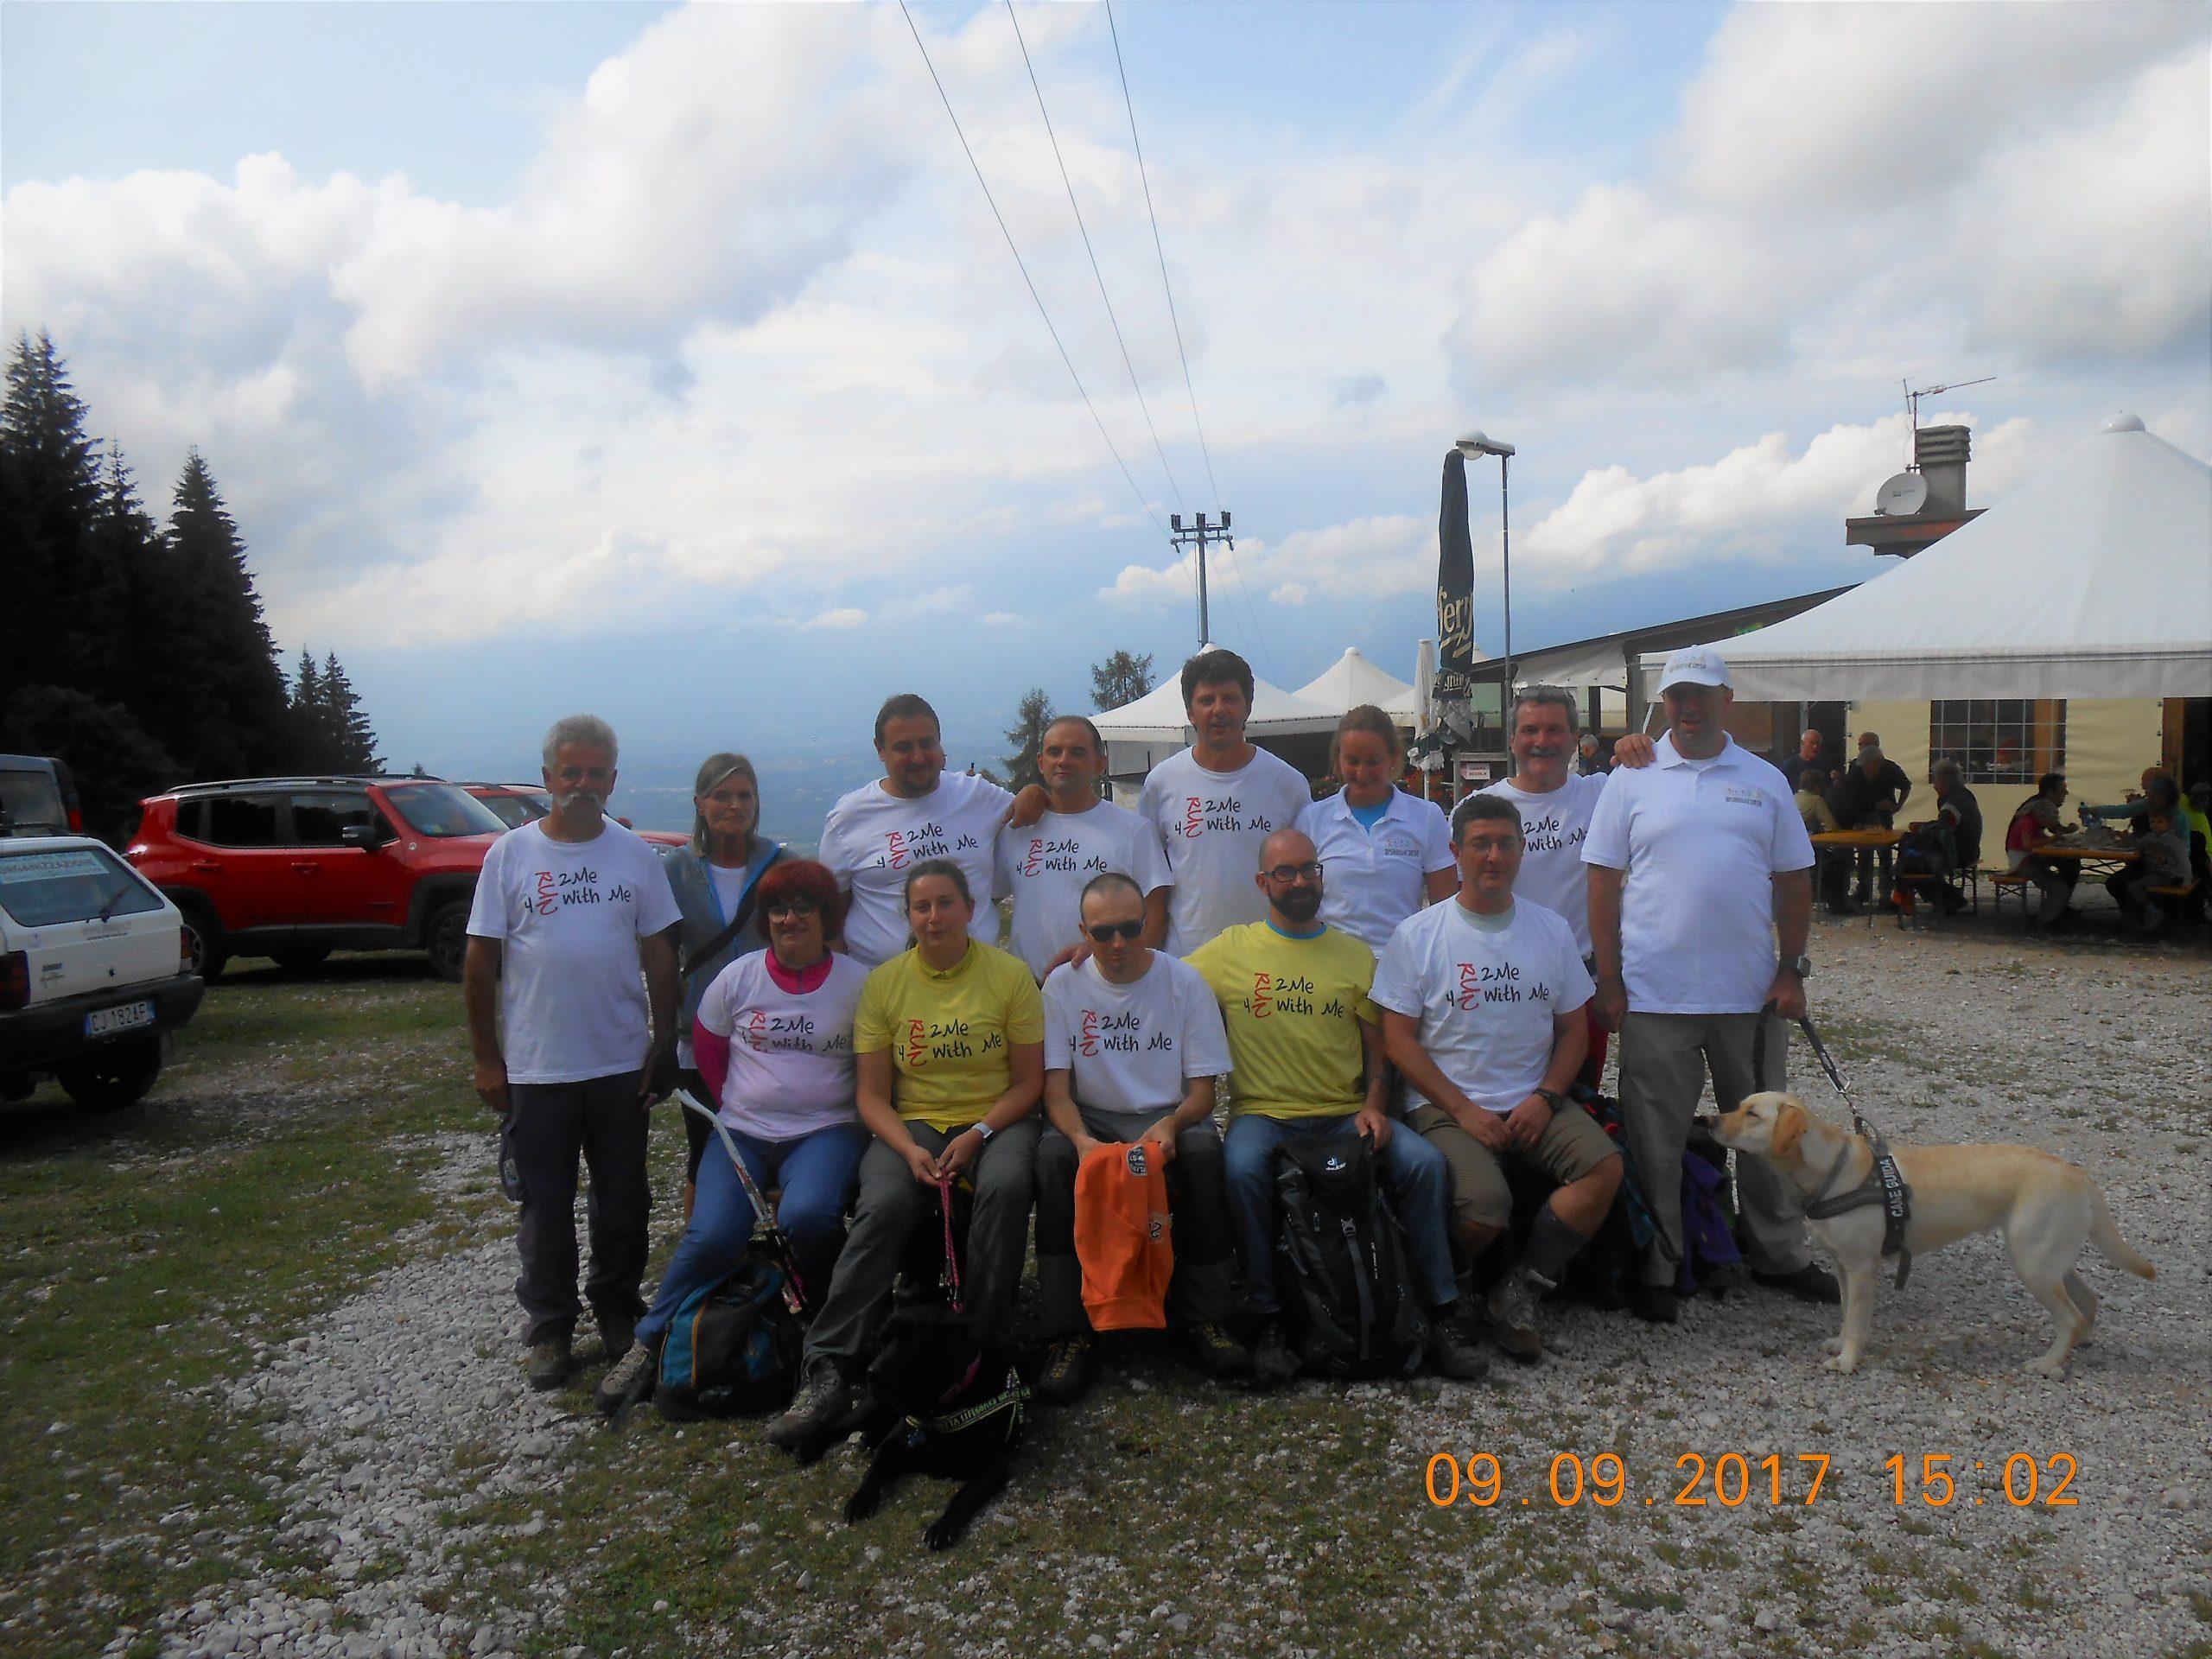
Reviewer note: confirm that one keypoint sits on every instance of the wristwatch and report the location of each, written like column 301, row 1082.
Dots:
column 1800, row 966
column 1551, row 1097
column 983, row 1129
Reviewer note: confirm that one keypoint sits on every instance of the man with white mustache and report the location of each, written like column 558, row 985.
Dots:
column 571, row 1048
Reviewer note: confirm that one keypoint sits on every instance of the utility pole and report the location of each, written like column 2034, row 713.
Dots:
column 1197, row 535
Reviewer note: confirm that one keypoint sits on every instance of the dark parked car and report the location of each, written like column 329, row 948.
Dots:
column 294, row 869
column 37, row 798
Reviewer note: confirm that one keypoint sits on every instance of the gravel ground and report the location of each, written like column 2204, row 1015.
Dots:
column 408, row 1401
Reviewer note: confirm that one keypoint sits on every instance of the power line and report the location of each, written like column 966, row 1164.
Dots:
column 1165, row 287
column 1020, row 265
column 1084, row 230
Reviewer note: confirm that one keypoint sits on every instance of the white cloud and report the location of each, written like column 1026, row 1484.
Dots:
column 844, row 616
column 1371, row 558
column 999, row 618
column 1757, row 502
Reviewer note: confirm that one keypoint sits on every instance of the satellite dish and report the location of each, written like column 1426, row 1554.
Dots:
column 1901, row 496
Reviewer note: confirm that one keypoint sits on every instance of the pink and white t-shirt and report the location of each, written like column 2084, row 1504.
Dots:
column 790, row 1052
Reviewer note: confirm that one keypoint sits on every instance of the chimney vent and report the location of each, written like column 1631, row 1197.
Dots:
column 1940, row 454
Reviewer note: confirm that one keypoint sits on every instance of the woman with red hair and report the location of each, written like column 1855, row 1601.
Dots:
column 773, row 1041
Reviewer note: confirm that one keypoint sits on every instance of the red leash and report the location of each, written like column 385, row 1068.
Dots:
column 951, row 1280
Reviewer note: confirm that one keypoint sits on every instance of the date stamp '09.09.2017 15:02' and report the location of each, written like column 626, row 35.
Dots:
column 1738, row 1480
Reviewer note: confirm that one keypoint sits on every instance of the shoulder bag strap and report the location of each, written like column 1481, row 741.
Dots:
column 707, row 952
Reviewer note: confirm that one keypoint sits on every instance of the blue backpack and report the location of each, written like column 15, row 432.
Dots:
column 733, row 1348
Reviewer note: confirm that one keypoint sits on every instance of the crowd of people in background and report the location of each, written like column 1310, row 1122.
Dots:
column 1230, row 968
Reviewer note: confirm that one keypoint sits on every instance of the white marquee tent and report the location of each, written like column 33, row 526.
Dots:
column 2093, row 581
column 1352, row 680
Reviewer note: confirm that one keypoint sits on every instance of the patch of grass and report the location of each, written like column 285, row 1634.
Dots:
column 153, row 1252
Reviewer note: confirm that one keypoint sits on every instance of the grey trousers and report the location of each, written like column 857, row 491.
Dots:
column 548, row 1125
column 1664, row 1061
column 1203, row 1289
column 892, row 1202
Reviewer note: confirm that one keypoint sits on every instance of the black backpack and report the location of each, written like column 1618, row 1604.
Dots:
column 733, row 1348
column 1341, row 1263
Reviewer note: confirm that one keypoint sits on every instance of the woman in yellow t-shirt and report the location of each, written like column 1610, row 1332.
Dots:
column 949, row 1052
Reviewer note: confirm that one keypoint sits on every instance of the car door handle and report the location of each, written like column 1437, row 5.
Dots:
column 207, row 866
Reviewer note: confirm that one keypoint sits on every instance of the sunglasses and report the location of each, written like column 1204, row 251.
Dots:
column 1105, row 931
column 800, row 907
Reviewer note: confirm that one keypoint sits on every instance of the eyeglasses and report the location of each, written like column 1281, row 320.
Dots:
column 1105, row 931
column 1286, row 873
column 799, row 907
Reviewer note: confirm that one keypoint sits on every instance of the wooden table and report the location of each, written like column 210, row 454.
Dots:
column 2083, row 857
column 1847, row 843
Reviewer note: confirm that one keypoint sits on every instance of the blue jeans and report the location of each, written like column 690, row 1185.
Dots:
column 1414, row 1172
column 816, row 1172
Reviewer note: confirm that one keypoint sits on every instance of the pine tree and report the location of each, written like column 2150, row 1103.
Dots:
column 239, row 719
column 144, row 621
column 310, row 728
column 1028, row 737
column 56, row 627
column 1122, row 678
column 353, row 741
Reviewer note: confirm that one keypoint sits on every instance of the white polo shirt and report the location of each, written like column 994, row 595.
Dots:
column 1374, row 878
column 1701, row 842
column 1552, row 829
column 874, row 837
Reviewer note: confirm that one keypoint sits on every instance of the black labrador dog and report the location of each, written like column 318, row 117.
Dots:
column 958, row 1396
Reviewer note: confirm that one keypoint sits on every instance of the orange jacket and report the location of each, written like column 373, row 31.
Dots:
column 1124, row 1237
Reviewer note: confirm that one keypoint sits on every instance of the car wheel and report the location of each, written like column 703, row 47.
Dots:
column 447, row 940
column 300, row 962
column 113, row 1076
column 205, row 955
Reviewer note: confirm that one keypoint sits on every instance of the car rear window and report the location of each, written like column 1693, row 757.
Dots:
column 513, row 811
column 70, row 884
column 30, row 804
column 441, row 809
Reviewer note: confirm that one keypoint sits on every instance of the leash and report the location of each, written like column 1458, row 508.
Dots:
column 764, row 1225
column 951, row 1279
column 1885, row 1183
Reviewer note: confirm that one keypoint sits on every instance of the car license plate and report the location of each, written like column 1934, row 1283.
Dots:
column 103, row 1021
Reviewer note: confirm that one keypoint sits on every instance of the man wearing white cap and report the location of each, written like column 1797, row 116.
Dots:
column 1700, row 894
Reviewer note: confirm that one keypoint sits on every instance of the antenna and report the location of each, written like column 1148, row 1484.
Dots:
column 1912, row 411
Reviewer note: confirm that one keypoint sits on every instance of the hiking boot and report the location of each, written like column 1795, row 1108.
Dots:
column 1654, row 1304
column 1273, row 1363
column 1512, row 1313
column 823, row 1397
column 1811, row 1283
column 1448, row 1348
column 631, row 1381
column 617, row 1337
column 1213, row 1350
column 1067, row 1369
column 549, row 1362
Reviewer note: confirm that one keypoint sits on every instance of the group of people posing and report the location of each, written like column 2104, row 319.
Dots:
column 1355, row 966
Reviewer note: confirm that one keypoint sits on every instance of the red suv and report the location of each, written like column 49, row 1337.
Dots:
column 294, row 869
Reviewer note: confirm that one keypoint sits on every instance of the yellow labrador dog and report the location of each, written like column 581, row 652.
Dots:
column 2047, row 1209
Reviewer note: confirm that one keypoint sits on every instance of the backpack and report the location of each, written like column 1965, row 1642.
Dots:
column 733, row 1348
column 1341, row 1263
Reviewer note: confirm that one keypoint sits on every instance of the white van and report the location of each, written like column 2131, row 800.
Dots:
column 93, row 982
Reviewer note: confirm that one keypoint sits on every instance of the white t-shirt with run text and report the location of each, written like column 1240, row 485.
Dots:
column 874, row 837
column 1372, row 880
column 1045, row 868
column 1485, row 990
column 568, row 916
column 1702, row 842
column 1133, row 1048
column 1552, row 829
column 790, row 1052
column 1212, row 825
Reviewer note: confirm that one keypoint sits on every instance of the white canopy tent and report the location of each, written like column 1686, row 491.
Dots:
column 1157, row 716
column 1352, row 680
column 2093, row 581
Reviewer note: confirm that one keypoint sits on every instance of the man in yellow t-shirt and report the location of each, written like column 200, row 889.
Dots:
column 1306, row 1058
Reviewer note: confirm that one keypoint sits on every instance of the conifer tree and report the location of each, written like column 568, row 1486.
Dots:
column 243, row 724
column 1027, row 735
column 353, row 741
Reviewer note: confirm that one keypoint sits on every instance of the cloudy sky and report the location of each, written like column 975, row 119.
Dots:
column 669, row 360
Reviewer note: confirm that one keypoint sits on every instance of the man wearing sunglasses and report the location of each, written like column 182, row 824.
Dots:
column 1306, row 1047
column 1132, row 1042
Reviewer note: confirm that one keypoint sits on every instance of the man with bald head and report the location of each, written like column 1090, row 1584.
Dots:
column 1307, row 1063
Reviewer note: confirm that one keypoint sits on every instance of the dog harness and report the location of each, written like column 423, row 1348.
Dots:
column 1884, row 1184
column 1011, row 1395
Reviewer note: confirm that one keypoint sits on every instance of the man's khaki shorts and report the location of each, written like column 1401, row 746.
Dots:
column 1571, row 1146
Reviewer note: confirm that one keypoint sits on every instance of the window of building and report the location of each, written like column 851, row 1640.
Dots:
column 1999, row 739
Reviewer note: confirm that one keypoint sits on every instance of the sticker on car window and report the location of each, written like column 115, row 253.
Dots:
column 47, row 867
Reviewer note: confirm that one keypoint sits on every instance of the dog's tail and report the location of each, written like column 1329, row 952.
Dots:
column 2106, row 1236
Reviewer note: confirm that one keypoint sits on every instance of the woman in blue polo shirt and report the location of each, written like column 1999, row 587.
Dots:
column 1385, row 854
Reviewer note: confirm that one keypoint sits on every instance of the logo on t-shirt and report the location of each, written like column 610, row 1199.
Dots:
column 1054, row 855
column 1220, row 816
column 946, row 1039
column 555, row 889
column 1498, row 982
column 1743, row 795
column 1544, row 834
column 1108, row 1034
column 1272, row 995
column 779, row 1031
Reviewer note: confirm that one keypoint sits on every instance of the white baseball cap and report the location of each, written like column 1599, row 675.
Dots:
column 1694, row 665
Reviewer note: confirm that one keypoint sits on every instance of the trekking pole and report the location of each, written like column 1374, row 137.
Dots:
column 764, row 1223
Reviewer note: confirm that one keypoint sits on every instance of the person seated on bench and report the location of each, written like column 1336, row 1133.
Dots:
column 1483, row 998
column 2162, row 843
column 1306, row 1053
column 773, row 1041
column 2036, row 819
column 948, row 1059
column 1946, row 844
column 1132, row 1042
column 1820, row 820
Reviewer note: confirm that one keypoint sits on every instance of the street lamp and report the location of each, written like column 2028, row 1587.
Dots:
column 1478, row 443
